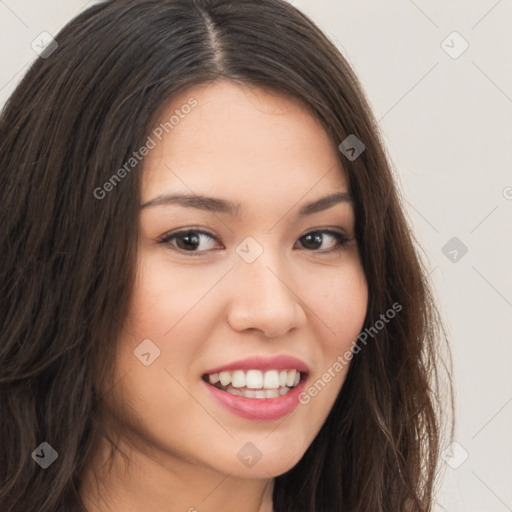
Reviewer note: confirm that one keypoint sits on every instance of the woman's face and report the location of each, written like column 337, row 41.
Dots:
column 246, row 275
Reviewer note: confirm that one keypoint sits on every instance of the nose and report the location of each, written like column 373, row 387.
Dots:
column 263, row 299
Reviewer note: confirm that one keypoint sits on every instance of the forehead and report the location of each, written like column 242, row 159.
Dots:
column 222, row 136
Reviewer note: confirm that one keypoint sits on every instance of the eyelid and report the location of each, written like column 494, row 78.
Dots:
column 194, row 229
column 326, row 229
column 329, row 230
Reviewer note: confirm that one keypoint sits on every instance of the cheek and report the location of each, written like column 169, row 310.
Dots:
column 160, row 308
column 352, row 302
column 159, row 296
column 166, row 295
column 165, row 308
column 339, row 304
column 340, row 311
column 178, row 309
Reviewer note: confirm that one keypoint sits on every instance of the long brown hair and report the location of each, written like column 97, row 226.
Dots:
column 68, row 258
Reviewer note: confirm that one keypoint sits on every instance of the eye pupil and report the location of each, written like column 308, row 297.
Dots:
column 313, row 239
column 188, row 241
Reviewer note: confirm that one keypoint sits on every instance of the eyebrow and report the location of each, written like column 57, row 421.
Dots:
column 216, row 205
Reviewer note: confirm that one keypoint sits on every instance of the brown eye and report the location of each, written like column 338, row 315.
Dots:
column 190, row 241
column 323, row 240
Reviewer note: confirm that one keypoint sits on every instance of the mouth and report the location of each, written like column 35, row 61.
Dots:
column 258, row 388
column 255, row 383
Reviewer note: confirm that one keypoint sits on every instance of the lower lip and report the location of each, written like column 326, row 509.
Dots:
column 258, row 408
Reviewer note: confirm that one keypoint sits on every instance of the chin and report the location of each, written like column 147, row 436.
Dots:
column 273, row 462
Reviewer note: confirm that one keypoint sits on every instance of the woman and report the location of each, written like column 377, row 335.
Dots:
column 211, row 297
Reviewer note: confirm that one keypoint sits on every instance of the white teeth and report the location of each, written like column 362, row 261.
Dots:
column 254, row 379
column 238, row 379
column 256, row 383
column 271, row 380
column 213, row 378
column 272, row 393
column 289, row 380
column 225, row 378
column 259, row 393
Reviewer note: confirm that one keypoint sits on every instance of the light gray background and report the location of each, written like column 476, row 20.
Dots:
column 447, row 126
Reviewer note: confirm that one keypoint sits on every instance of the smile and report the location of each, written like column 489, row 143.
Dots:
column 258, row 388
column 255, row 383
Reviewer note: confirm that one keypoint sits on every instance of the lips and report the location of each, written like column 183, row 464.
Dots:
column 258, row 388
column 281, row 362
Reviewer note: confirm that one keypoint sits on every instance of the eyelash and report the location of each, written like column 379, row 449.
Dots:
column 341, row 240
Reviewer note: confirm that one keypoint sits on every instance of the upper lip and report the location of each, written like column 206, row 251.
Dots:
column 280, row 362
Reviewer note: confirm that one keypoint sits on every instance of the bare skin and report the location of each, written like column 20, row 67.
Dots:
column 204, row 306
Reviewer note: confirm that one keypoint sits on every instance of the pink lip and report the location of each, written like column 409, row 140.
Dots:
column 258, row 408
column 281, row 362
